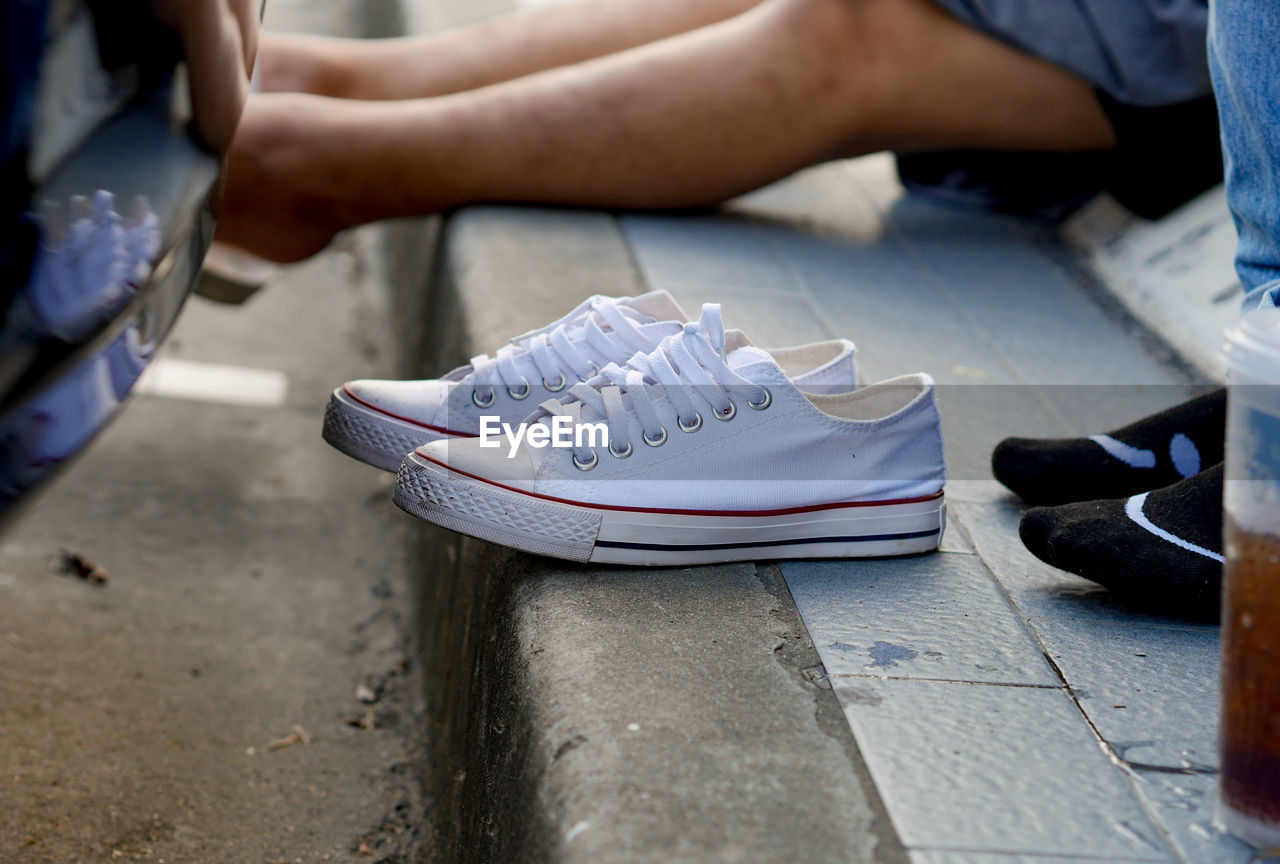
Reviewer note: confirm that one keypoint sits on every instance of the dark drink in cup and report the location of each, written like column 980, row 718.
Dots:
column 1249, row 736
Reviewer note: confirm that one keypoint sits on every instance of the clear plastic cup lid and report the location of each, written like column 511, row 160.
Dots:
column 1253, row 346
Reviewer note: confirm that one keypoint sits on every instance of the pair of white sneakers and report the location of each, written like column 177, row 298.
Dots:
column 650, row 439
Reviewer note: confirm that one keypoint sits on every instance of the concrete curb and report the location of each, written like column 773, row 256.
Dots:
column 587, row 714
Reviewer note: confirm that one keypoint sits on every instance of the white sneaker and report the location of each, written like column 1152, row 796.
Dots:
column 772, row 472
column 380, row 422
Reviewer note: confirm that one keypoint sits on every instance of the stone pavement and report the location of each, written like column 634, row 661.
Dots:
column 1004, row 710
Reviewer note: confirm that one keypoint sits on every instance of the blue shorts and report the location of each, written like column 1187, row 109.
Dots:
column 1147, row 61
column 1139, row 52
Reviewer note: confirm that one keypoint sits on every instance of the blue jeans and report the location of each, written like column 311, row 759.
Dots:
column 1245, row 62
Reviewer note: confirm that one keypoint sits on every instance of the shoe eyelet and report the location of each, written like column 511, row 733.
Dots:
column 519, row 394
column 586, row 466
column 483, row 403
column 557, row 385
column 727, row 415
column 655, row 442
column 619, row 454
column 763, row 403
column 692, row 427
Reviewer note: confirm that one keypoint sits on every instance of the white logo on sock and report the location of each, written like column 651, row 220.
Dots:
column 1133, row 509
column 1131, row 456
column 1185, row 456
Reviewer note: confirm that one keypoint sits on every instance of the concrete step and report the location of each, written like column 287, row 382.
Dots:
column 602, row 714
column 624, row 715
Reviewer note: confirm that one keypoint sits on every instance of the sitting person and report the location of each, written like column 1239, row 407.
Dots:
column 671, row 103
column 1140, row 509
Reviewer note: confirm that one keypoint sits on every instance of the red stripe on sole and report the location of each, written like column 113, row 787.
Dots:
column 745, row 513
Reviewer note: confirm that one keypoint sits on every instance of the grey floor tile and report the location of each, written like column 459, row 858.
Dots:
column 1004, row 282
column 1151, row 692
column 954, row 540
column 990, row 518
column 1183, row 805
column 989, row 768
column 951, row 856
column 712, row 252
column 931, row 617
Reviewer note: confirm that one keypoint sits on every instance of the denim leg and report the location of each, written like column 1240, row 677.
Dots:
column 1244, row 57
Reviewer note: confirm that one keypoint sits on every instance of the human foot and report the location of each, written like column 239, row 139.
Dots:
column 1159, row 551
column 283, row 200
column 1153, row 452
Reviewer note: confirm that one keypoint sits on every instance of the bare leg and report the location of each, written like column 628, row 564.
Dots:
column 469, row 57
column 687, row 121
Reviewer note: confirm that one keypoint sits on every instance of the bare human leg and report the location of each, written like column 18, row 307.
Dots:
column 509, row 47
column 687, row 121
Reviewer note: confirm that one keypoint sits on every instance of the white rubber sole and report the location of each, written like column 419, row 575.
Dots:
column 576, row 532
column 369, row 435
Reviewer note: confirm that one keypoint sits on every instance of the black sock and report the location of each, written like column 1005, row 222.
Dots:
column 1115, row 543
column 1153, row 452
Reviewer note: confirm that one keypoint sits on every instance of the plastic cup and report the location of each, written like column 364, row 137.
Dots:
column 1249, row 736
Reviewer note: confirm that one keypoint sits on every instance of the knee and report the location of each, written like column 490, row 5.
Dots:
column 856, row 49
column 846, row 30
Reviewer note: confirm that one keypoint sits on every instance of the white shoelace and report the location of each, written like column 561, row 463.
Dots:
column 689, row 368
column 577, row 341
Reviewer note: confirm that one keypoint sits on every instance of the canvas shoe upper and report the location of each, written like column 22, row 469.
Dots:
column 713, row 454
column 379, row 421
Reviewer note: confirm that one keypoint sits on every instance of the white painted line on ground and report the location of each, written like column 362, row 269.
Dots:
column 214, row 382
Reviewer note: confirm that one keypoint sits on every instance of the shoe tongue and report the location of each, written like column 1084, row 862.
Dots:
column 748, row 356
column 657, row 306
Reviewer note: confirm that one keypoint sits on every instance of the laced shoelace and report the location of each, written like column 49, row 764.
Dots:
column 558, row 346
column 688, row 367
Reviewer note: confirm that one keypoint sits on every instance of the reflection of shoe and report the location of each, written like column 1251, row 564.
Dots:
column 712, row 454
column 80, row 282
column 1153, row 452
column 1159, row 551
column 380, row 422
column 230, row 275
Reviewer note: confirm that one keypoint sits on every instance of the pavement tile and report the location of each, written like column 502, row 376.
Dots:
column 1183, row 805
column 1165, row 269
column 1151, row 692
column 936, row 617
column 990, row 516
column 1000, row 275
column 954, row 540
column 951, row 856
column 982, row 768
column 711, row 252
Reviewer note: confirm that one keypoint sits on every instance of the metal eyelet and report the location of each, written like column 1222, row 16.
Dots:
column 586, row 466
column 655, row 442
column 692, row 427
column 620, row 454
column 557, row 385
column 727, row 415
column 763, row 403
column 520, row 394
column 475, row 399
